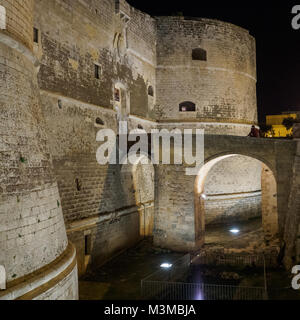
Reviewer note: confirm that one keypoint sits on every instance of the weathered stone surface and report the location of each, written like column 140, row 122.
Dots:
column 32, row 230
column 49, row 121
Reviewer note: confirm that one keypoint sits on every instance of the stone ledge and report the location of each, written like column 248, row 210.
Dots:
column 14, row 44
column 40, row 281
column 223, row 121
column 100, row 218
column 232, row 196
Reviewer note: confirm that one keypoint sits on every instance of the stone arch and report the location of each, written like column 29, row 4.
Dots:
column 246, row 154
column 119, row 44
column 138, row 180
column 122, row 102
column 269, row 198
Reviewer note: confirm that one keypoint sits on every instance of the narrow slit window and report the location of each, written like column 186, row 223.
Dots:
column 78, row 184
column 150, row 91
column 87, row 245
column 35, row 35
column 97, row 71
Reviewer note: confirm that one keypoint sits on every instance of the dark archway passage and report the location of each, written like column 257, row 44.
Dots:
column 262, row 230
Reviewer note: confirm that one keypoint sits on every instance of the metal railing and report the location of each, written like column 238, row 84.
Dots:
column 171, row 284
column 258, row 260
column 164, row 290
column 230, row 260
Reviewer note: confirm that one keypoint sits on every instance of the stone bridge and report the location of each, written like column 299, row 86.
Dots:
column 180, row 223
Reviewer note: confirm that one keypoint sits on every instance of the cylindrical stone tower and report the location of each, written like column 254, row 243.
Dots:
column 34, row 250
column 206, row 79
column 206, row 74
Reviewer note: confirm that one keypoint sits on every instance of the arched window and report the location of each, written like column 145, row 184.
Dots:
column 187, row 106
column 117, row 95
column 199, row 54
column 150, row 91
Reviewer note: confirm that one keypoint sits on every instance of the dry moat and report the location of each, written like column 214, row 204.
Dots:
column 120, row 278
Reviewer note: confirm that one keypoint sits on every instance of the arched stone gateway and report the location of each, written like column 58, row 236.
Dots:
column 176, row 225
column 59, row 88
column 269, row 201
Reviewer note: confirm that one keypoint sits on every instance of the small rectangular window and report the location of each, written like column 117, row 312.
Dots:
column 199, row 54
column 35, row 35
column 97, row 71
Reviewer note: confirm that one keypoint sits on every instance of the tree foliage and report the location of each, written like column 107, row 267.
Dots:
column 289, row 122
column 265, row 129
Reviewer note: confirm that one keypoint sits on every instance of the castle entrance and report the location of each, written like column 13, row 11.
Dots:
column 234, row 227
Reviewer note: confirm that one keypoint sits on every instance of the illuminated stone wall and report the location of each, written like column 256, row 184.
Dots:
column 223, row 86
column 52, row 110
column 32, row 231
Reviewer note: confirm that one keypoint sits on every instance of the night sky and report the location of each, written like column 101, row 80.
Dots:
column 278, row 44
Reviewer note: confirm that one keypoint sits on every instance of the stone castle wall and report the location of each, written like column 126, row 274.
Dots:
column 32, row 230
column 18, row 20
column 72, row 101
column 107, row 207
column 223, row 89
column 223, row 85
column 76, row 36
column 134, row 51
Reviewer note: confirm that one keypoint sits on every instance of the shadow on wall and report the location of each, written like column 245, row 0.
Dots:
column 130, row 190
column 140, row 177
column 116, row 230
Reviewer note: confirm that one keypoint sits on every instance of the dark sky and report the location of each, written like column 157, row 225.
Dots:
column 278, row 44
